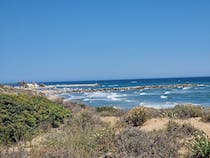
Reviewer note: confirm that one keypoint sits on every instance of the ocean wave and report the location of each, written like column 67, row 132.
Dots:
column 92, row 99
column 105, row 96
column 167, row 92
column 115, row 96
column 96, row 94
column 143, row 93
column 177, row 91
column 158, row 105
column 163, row 97
column 186, row 88
column 130, row 101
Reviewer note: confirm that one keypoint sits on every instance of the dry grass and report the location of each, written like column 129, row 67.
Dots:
column 132, row 142
column 93, row 133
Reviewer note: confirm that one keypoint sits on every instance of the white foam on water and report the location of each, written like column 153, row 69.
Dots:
column 96, row 94
column 115, row 96
column 117, row 107
column 163, row 97
column 130, row 101
column 71, row 97
column 144, row 93
column 186, row 88
column 179, row 91
column 167, row 92
column 158, row 105
column 91, row 99
column 105, row 96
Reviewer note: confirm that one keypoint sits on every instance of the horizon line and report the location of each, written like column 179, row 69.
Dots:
column 88, row 80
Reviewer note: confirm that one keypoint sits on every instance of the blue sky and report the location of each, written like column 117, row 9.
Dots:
column 52, row 40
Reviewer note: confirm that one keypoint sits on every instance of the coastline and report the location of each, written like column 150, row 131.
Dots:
column 53, row 93
column 109, row 125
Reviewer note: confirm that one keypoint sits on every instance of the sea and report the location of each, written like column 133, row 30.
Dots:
column 126, row 94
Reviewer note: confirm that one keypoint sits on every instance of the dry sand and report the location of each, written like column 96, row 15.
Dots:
column 161, row 123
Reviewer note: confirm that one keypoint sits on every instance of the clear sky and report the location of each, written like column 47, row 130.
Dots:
column 52, row 40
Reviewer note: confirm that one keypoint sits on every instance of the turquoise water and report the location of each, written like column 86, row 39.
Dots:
column 89, row 93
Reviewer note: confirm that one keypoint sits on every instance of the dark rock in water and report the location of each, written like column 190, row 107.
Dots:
column 23, row 84
column 136, row 88
column 42, row 85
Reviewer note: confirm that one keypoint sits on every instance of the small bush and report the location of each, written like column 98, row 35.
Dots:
column 132, row 142
column 206, row 115
column 181, row 129
column 137, row 116
column 84, row 137
column 135, row 143
column 109, row 111
column 106, row 108
column 185, row 111
column 170, row 114
column 200, row 147
column 85, row 119
column 22, row 115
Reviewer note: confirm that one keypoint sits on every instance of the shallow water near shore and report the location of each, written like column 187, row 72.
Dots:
column 159, row 93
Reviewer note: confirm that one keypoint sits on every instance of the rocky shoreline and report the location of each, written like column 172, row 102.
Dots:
column 53, row 89
column 136, row 88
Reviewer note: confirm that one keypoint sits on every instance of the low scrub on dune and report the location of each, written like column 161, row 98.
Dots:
column 138, row 115
column 109, row 111
column 206, row 115
column 22, row 115
column 184, row 111
column 132, row 142
column 84, row 137
column 200, row 147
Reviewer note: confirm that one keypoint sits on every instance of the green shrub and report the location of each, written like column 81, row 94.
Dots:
column 22, row 115
column 200, row 147
column 85, row 119
column 185, row 111
column 84, row 137
column 170, row 114
column 137, row 116
column 109, row 111
column 106, row 108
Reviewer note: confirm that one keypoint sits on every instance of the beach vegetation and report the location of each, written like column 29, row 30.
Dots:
column 206, row 115
column 137, row 116
column 22, row 115
column 85, row 132
column 109, row 111
column 132, row 142
column 184, row 111
column 200, row 146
